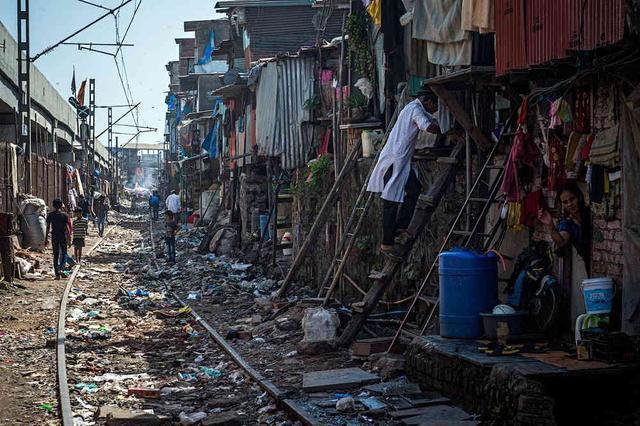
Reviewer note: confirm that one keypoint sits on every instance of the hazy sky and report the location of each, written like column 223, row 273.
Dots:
column 156, row 25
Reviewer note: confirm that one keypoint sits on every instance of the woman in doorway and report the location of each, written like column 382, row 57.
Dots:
column 574, row 226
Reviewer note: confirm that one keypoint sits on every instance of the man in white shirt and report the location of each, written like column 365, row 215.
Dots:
column 173, row 202
column 393, row 175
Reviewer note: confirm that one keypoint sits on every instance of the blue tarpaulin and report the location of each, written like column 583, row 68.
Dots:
column 208, row 50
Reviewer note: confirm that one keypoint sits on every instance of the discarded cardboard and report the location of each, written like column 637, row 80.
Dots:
column 115, row 416
column 343, row 378
column 366, row 347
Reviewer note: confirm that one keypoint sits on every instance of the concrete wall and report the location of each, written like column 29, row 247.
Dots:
column 42, row 92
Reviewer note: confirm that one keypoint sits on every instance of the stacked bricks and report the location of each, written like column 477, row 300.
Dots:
column 607, row 253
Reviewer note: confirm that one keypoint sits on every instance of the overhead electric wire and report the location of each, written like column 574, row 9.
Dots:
column 122, row 73
column 110, row 12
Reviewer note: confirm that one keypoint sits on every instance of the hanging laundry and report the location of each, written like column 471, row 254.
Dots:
column 603, row 110
column 375, row 11
column 604, row 149
column 582, row 111
column 477, row 15
column 559, row 113
column 439, row 22
column 531, row 205
column 523, row 152
column 556, row 177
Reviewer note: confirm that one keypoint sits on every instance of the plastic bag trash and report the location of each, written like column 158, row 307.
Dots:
column 139, row 293
column 187, row 377
column 211, row 372
column 346, row 404
column 189, row 419
column 86, row 387
column 76, row 314
column 46, row 407
column 90, row 301
column 320, row 325
column 23, row 264
column 198, row 359
column 240, row 266
column 193, row 296
column 211, row 257
column 113, row 377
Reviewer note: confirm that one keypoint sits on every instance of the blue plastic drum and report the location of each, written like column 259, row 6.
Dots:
column 468, row 287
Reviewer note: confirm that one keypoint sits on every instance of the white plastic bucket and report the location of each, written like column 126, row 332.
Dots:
column 286, row 239
column 598, row 295
column 369, row 137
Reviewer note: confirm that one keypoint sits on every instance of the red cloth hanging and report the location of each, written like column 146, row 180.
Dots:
column 510, row 184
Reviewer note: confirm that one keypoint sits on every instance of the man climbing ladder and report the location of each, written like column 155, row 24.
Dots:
column 394, row 176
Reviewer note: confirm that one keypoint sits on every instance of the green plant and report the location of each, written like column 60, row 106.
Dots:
column 312, row 103
column 356, row 100
column 318, row 169
column 357, row 27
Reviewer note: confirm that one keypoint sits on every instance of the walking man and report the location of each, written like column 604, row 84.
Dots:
column 58, row 224
column 173, row 203
column 393, row 175
column 171, row 227
column 101, row 208
column 154, row 204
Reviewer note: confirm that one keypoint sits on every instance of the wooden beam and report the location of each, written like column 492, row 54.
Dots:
column 461, row 116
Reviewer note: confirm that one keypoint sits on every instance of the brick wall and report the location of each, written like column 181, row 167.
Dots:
column 607, row 254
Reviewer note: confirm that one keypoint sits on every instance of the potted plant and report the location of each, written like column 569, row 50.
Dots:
column 357, row 104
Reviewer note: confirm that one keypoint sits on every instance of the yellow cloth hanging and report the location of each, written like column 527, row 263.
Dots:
column 375, row 10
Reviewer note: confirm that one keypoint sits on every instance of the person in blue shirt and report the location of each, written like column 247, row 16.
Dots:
column 574, row 226
column 154, row 204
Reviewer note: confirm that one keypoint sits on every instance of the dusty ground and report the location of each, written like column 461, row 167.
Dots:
column 27, row 353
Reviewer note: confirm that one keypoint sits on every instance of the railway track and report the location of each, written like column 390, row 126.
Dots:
column 109, row 355
column 297, row 411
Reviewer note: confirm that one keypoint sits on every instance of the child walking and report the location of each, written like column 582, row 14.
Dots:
column 80, row 225
column 171, row 227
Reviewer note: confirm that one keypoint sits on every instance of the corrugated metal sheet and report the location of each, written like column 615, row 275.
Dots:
column 266, row 99
column 595, row 23
column 285, row 29
column 546, row 40
column 534, row 32
column 510, row 36
column 281, row 117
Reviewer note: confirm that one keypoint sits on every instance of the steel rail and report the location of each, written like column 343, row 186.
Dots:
column 63, row 385
column 292, row 406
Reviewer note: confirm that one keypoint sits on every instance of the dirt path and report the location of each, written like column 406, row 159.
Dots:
column 27, row 346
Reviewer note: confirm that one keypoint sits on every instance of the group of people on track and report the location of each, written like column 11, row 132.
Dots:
column 66, row 230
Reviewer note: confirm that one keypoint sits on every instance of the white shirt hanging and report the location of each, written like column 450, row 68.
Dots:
column 398, row 151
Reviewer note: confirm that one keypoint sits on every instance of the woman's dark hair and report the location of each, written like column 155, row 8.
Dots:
column 57, row 203
column 573, row 188
column 583, row 247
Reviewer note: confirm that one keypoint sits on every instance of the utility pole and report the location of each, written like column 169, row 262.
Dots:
column 92, row 126
column 24, row 88
column 117, row 173
column 110, row 145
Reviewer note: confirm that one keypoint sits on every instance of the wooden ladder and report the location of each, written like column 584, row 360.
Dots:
column 329, row 202
column 470, row 236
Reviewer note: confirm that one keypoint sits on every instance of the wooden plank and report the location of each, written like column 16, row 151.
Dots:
column 342, row 378
column 461, row 116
